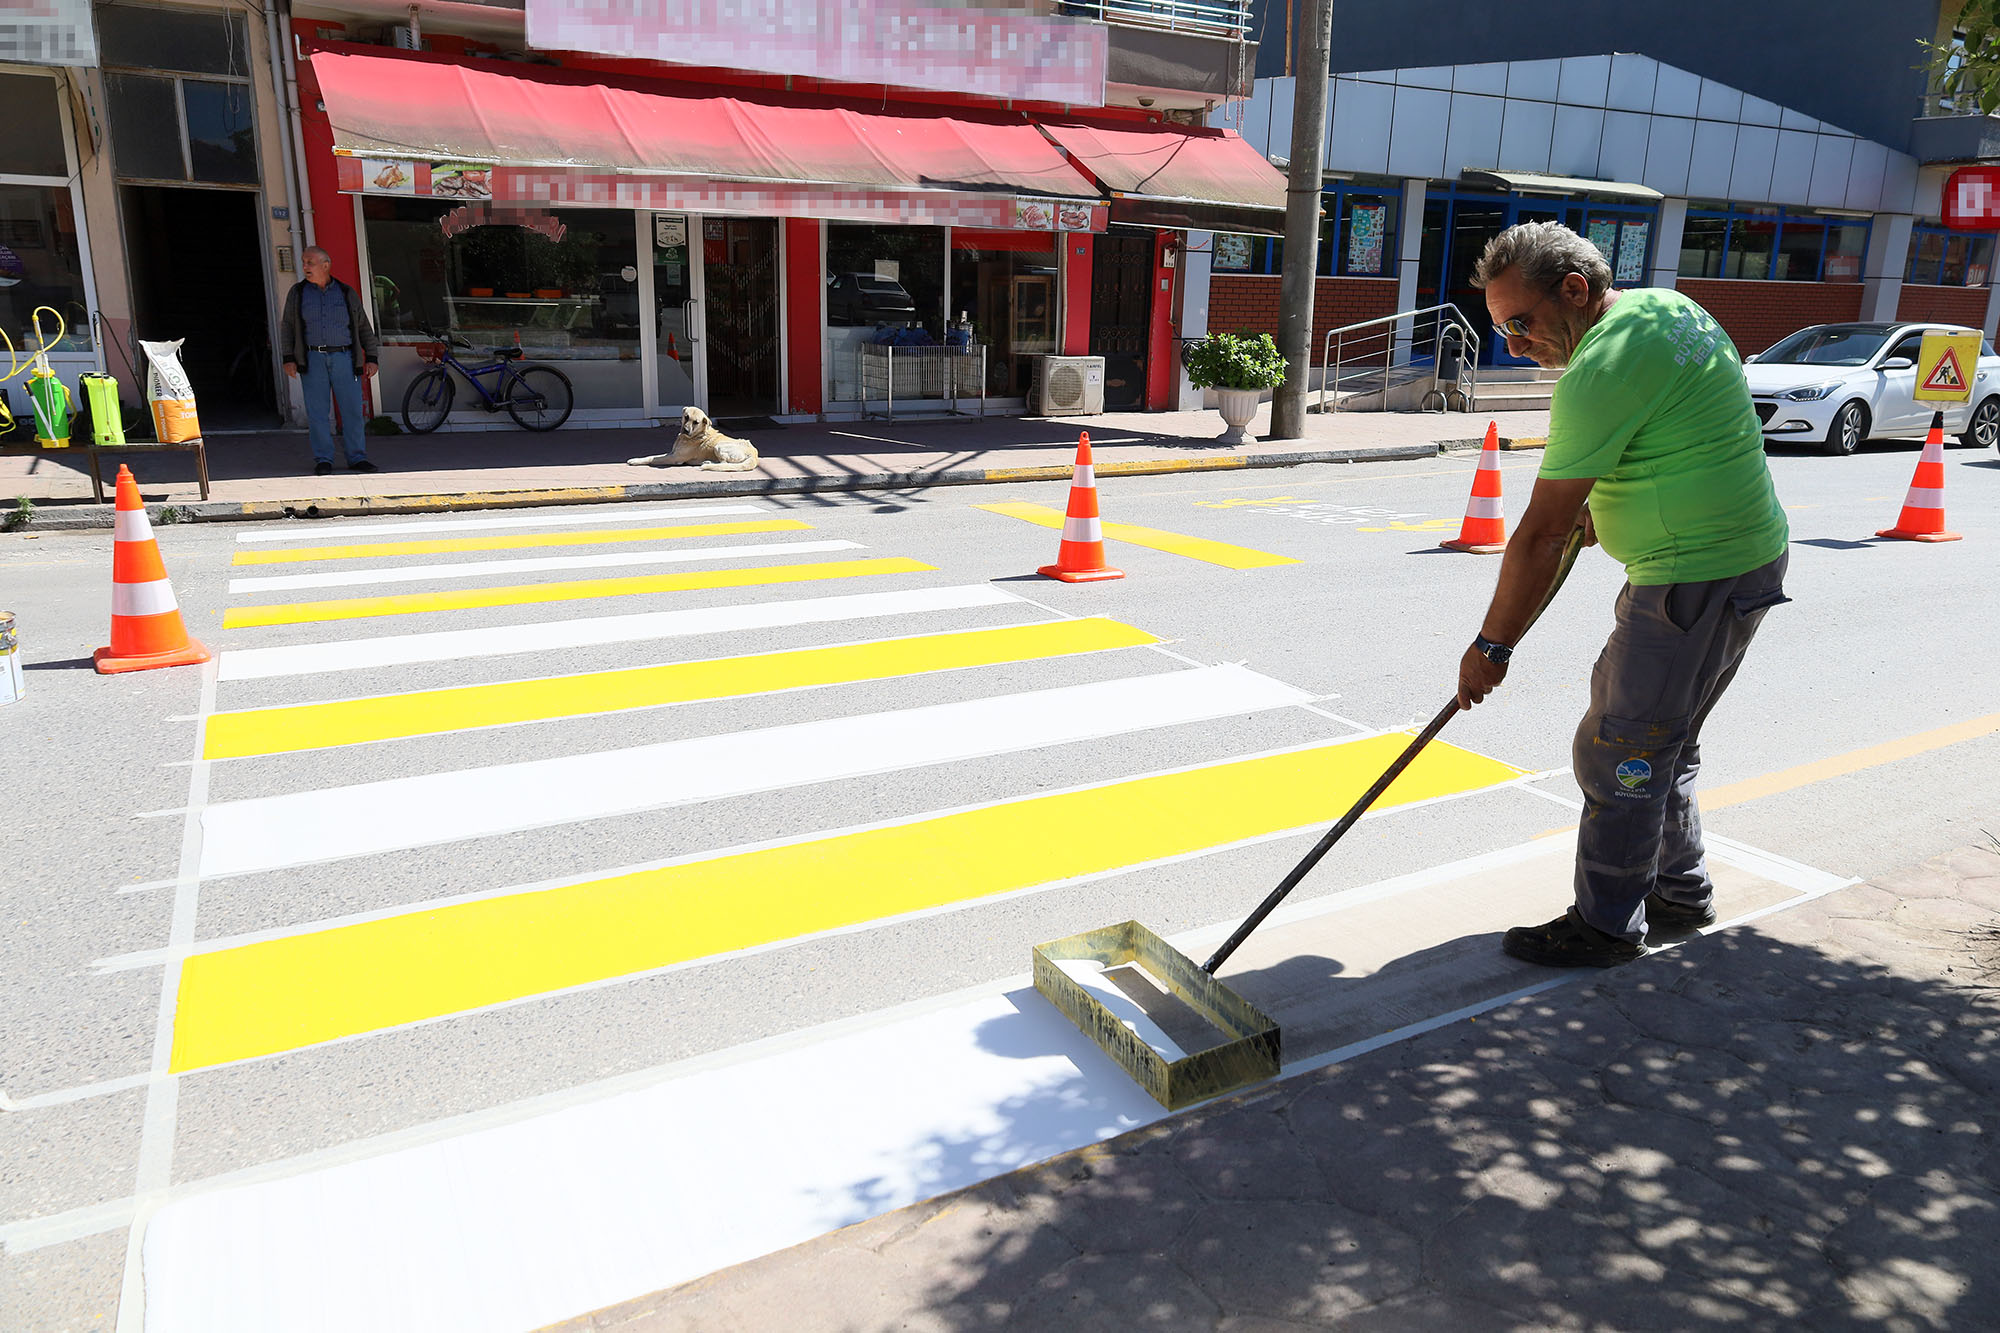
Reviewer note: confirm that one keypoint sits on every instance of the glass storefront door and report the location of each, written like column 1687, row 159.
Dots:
column 676, row 298
column 739, row 274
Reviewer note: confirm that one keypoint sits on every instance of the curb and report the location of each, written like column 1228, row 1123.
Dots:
column 1508, row 444
column 226, row 511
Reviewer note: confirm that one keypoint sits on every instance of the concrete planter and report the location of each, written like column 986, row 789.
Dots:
column 1238, row 408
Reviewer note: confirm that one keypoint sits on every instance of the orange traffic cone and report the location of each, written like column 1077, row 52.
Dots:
column 1080, row 558
column 1922, row 519
column 1484, row 531
column 673, row 353
column 146, row 628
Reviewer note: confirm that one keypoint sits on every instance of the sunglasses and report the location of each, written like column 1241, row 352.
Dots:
column 1518, row 327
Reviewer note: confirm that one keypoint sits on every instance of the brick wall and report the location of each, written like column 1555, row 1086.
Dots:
column 1948, row 305
column 1757, row 314
column 1239, row 301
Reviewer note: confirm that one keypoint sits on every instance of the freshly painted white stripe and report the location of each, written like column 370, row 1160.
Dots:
column 1924, row 498
column 268, row 832
column 1485, row 506
column 527, row 519
column 479, row 569
column 131, row 525
column 143, row 599
column 304, row 659
column 1082, row 530
column 529, row 1214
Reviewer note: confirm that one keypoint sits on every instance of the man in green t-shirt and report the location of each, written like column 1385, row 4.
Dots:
column 1655, row 450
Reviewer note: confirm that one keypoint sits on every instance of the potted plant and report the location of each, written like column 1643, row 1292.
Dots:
column 1239, row 367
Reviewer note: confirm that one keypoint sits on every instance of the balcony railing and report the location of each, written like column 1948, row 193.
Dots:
column 1207, row 18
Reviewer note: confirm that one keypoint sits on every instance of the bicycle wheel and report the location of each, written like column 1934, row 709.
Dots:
column 539, row 397
column 427, row 402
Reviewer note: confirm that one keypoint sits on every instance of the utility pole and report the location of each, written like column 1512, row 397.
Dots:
column 1312, row 44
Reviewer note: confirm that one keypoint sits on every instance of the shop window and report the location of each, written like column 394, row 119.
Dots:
column 1005, row 283
column 32, row 144
column 1232, row 252
column 41, row 264
column 560, row 283
column 1367, row 243
column 1703, row 240
column 879, row 279
column 1940, row 258
column 1752, row 238
column 1846, row 247
column 1798, row 251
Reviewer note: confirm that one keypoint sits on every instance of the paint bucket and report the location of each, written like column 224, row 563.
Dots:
column 12, row 684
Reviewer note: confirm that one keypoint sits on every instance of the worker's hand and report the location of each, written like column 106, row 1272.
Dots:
column 368, row 370
column 292, row 369
column 1477, row 677
column 1588, row 524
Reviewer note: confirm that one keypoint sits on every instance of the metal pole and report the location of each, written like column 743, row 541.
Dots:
column 1314, row 44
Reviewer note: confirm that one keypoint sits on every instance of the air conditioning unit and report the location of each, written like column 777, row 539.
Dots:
column 1067, row 386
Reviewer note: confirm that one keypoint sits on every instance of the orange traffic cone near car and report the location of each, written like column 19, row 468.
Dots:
column 1080, row 558
column 1922, row 519
column 1484, row 531
column 146, row 628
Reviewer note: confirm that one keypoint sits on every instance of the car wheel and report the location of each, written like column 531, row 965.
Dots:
column 1849, row 429
column 1982, row 428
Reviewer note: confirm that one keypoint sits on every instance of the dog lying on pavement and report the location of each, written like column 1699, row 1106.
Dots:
column 700, row 442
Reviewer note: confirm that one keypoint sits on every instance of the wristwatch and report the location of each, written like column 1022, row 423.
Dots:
column 1496, row 653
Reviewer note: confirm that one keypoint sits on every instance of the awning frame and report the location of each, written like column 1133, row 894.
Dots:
column 1541, row 182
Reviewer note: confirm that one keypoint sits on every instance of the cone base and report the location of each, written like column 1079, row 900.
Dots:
column 192, row 655
column 1474, row 548
column 1080, row 575
column 1897, row 534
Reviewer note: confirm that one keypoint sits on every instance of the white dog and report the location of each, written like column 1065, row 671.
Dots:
column 701, row 442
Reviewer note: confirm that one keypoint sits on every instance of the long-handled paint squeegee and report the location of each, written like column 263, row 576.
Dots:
column 1249, row 1049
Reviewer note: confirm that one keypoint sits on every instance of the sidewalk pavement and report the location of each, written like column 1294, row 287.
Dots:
column 269, row 475
column 1784, row 1124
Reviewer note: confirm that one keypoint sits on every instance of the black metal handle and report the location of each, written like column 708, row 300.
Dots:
column 1368, row 798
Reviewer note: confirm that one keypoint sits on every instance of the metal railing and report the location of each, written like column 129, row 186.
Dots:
column 1209, row 17
column 933, row 375
column 1439, row 333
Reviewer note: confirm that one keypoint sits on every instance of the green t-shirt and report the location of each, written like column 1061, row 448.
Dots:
column 1654, row 406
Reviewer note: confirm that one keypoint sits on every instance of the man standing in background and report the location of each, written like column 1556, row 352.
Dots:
column 330, row 345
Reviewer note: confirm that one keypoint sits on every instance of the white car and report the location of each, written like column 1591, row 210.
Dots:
column 1840, row 384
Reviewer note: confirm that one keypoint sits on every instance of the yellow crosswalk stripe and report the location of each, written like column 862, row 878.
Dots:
column 267, row 996
column 264, row 731
column 1174, row 543
column 358, row 608
column 449, row 545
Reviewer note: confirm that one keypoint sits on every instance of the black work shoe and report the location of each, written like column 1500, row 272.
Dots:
column 363, row 466
column 1569, row 941
column 1672, row 918
column 322, row 469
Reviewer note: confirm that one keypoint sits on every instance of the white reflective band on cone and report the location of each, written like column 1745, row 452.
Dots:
column 143, row 599
column 1485, row 506
column 1086, row 475
column 1924, row 499
column 1082, row 530
column 131, row 525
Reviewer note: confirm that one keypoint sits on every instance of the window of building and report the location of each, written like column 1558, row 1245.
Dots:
column 552, row 281
column 1005, row 284
column 41, row 264
column 1357, row 236
column 33, row 142
column 178, row 95
column 879, row 279
column 1725, row 240
column 1941, row 258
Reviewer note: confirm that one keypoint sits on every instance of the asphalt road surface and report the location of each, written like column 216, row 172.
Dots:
column 768, row 765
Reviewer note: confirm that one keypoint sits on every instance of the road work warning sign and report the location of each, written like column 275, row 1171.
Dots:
column 1945, row 367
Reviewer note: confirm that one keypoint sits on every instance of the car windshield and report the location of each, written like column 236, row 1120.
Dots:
column 1828, row 346
column 882, row 285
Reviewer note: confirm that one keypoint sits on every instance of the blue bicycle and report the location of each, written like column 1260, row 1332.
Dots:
column 539, row 398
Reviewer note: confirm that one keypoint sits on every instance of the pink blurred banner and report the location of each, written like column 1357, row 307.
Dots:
column 984, row 50
column 47, row 32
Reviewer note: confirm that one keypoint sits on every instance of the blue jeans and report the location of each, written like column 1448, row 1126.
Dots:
column 327, row 376
column 1673, row 651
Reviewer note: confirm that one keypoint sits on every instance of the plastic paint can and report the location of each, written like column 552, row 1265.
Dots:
column 12, row 684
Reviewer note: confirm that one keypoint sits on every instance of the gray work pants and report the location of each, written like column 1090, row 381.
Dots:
column 1673, row 652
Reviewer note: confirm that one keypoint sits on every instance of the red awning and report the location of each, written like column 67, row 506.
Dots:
column 384, row 106
column 1175, row 171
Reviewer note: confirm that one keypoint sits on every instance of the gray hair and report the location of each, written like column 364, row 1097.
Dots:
column 1545, row 253
column 312, row 250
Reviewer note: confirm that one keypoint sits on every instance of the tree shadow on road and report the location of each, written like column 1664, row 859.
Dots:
column 1745, row 1132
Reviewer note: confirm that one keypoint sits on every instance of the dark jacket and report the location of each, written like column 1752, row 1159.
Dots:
column 292, row 328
